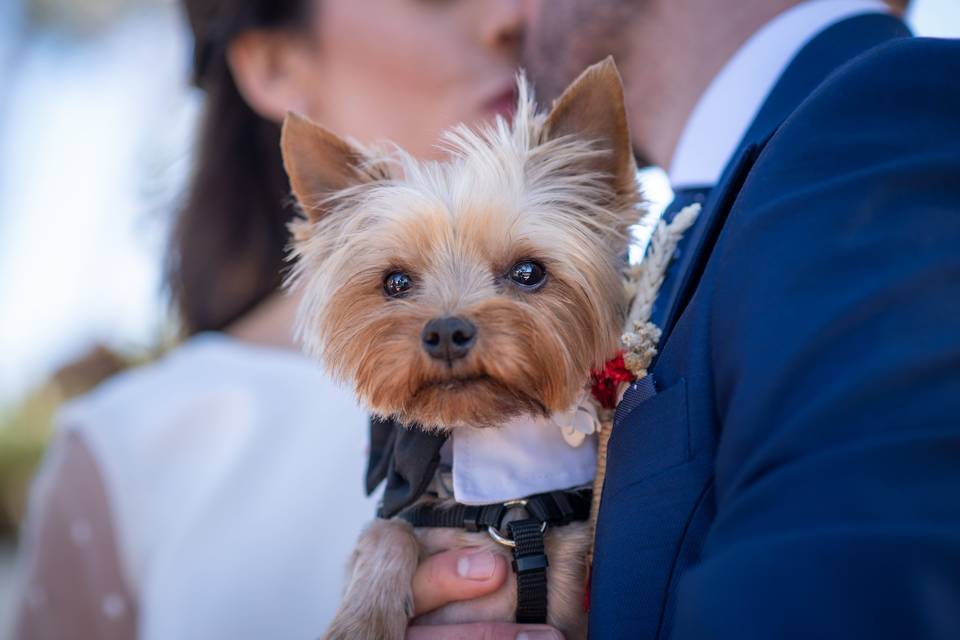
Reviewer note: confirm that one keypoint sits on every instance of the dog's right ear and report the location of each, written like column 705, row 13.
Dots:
column 319, row 163
column 592, row 107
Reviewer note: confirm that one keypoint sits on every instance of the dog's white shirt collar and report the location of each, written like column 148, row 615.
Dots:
column 525, row 456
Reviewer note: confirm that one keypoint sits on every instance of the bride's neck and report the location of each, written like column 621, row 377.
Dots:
column 270, row 323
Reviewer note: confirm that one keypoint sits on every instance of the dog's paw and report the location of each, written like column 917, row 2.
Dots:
column 378, row 602
column 369, row 624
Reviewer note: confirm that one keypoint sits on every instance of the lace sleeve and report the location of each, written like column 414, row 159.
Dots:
column 72, row 585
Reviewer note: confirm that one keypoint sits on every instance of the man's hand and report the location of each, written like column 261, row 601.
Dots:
column 464, row 574
column 483, row 631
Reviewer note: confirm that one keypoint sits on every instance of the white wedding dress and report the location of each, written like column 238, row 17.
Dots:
column 234, row 478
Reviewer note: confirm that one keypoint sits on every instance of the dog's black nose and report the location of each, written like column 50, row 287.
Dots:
column 448, row 338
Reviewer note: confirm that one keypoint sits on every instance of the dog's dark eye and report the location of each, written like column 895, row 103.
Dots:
column 397, row 284
column 528, row 274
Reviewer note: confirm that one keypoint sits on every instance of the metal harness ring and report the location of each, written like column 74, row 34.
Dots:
column 498, row 537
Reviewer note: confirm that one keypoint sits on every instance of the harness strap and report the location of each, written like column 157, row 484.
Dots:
column 525, row 535
column 456, row 516
column 556, row 508
column 530, row 564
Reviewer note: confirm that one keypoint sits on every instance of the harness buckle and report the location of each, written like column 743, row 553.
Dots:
column 506, row 540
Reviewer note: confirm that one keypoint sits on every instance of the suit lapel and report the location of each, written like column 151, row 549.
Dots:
column 703, row 236
column 681, row 199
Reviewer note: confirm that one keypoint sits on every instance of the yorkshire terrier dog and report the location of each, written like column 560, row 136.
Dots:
column 466, row 294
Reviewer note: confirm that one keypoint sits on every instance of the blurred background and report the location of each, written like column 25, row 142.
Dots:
column 95, row 121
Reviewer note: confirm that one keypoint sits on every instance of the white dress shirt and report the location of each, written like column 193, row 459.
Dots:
column 728, row 107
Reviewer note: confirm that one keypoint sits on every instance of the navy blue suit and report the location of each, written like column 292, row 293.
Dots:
column 797, row 473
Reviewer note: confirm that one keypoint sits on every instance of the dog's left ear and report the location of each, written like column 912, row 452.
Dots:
column 592, row 107
column 319, row 163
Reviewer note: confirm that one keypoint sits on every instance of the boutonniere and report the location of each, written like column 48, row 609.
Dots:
column 641, row 283
column 641, row 337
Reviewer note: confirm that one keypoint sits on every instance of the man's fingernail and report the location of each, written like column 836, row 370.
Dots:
column 546, row 634
column 477, row 566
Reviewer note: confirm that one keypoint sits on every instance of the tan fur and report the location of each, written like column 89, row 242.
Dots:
column 556, row 188
column 378, row 600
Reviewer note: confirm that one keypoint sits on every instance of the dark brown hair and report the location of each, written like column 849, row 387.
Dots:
column 226, row 250
column 899, row 6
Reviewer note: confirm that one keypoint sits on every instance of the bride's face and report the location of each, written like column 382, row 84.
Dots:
column 405, row 70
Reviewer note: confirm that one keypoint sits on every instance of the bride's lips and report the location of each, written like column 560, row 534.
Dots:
column 503, row 103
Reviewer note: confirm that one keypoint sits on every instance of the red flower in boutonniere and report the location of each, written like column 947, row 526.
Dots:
column 606, row 381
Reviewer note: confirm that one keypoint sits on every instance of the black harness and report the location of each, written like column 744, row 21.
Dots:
column 522, row 532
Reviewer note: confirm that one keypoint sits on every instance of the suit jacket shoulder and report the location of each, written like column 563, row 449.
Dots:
column 829, row 309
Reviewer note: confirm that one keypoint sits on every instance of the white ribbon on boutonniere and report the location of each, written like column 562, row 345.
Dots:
column 579, row 421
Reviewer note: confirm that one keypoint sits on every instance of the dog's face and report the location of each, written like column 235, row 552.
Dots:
column 470, row 291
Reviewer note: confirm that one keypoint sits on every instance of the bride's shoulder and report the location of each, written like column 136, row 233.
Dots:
column 203, row 373
column 212, row 388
